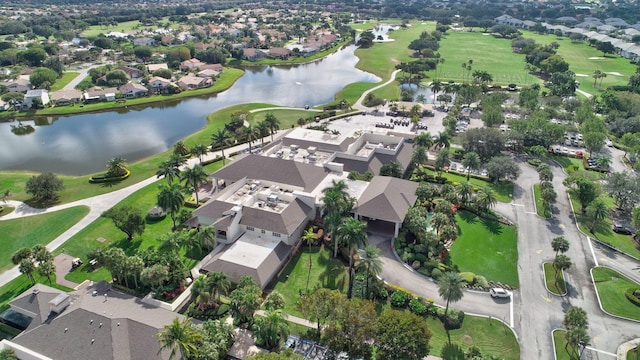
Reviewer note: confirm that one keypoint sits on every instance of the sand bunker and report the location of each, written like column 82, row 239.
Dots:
column 582, row 75
column 614, row 73
column 596, row 58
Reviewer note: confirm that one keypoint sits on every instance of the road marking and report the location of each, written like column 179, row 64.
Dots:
column 538, row 251
column 545, row 298
column 511, row 310
column 601, row 351
column 517, row 204
column 604, row 259
column 530, row 212
column 595, row 259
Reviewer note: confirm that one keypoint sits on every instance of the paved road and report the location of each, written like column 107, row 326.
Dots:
column 84, row 72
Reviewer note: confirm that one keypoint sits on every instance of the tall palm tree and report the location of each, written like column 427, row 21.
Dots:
column 471, row 161
column 559, row 244
column 220, row 139
column 436, row 87
column 171, row 199
column 218, row 284
column 485, row 198
column 198, row 287
column 263, row 130
column 180, row 149
column 596, row 75
column 561, row 262
column 419, row 155
column 47, row 269
column 250, row 133
column 207, row 237
column 135, row 265
column 273, row 122
column 27, row 267
column 199, row 150
column 421, row 99
column 351, row 233
column 597, row 211
column 181, row 338
column 464, row 191
column 309, row 238
column 271, row 329
column 116, row 167
column 194, row 177
column 371, row 262
column 423, row 139
column 443, row 140
column 450, row 288
column 168, row 170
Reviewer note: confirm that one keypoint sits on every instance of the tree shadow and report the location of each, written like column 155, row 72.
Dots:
column 553, row 225
column 468, row 216
column 130, row 247
column 492, row 226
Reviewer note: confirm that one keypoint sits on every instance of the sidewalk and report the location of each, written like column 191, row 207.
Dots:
column 293, row 319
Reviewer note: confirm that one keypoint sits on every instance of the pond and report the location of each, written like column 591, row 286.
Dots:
column 82, row 144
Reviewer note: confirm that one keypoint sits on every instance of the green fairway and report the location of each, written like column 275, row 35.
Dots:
column 38, row 229
column 487, row 52
column 287, row 117
column 550, row 273
column 584, row 60
column 326, row 272
column 611, row 287
column 64, row 80
column 486, row 248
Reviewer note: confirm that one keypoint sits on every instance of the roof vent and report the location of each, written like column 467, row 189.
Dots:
column 35, row 291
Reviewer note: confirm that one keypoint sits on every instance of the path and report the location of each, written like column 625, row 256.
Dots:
column 83, row 73
column 293, row 319
column 358, row 105
column 584, row 93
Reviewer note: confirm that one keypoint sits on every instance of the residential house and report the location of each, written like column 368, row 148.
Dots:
column 191, row 64
column 96, row 322
column 144, row 41
column 253, row 54
column 194, row 82
column 153, row 67
column 159, row 84
column 65, row 97
column 20, row 85
column 208, row 74
column 95, row 94
column 36, row 98
column 132, row 90
column 279, row 53
column 132, row 73
column 167, row 40
column 216, row 67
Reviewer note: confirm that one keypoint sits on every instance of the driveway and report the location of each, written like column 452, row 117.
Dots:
column 63, row 267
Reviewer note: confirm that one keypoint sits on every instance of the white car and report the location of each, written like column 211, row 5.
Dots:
column 499, row 293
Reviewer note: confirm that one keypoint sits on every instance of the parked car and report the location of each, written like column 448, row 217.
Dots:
column 499, row 293
column 621, row 229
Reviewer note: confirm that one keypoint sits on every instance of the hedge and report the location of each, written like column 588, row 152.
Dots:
column 104, row 178
column 631, row 296
column 468, row 277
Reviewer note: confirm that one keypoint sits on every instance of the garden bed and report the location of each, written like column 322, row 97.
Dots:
column 550, row 273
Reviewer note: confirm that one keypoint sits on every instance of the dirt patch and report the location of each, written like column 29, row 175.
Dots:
column 467, row 339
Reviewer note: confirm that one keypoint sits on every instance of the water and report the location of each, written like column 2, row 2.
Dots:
column 82, row 144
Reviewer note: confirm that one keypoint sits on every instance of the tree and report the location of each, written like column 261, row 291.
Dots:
column 270, row 330
column 442, row 161
column 180, row 149
column 492, row 116
column 8, row 354
column 321, row 306
column 221, row 140
column 245, row 299
column 127, row 219
column 274, row 301
column 401, row 335
column 393, row 169
column 623, row 188
column 560, row 245
column 168, row 170
column 143, row 52
column 33, row 57
column 597, row 211
column 563, row 83
column 27, row 267
column 272, row 122
column 606, row 47
column 163, row 73
column 443, row 140
column 171, row 199
column 372, row 264
column 419, row 155
column 116, row 77
column 181, row 338
column 450, row 287
column 502, row 167
column 41, row 76
column 575, row 319
column 263, row 130
column 218, row 284
column 309, row 238
column 486, row 142
column 577, row 338
column 585, row 190
column 560, row 263
column 47, row 269
column 351, row 233
column 485, row 198
column 199, row 150
column 250, row 133
column 464, row 191
column 471, row 161
column 594, row 141
column 194, row 177
column 116, row 167
column 21, row 254
column 44, row 186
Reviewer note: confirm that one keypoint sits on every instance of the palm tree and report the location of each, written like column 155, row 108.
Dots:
column 596, row 75
column 116, row 167
column 194, row 177
column 199, row 150
column 168, row 170
column 442, row 161
column 577, row 337
column 198, row 287
column 419, row 155
column 207, row 236
column 27, row 267
column 263, row 130
column 439, row 220
column 181, row 338
column 180, row 149
column 274, row 301
column 47, row 269
column 423, row 139
column 471, row 161
column 597, row 211
column 559, row 245
column 464, row 191
column 218, row 284
column 250, row 133
column 371, row 262
column 351, row 233
column 273, row 123
column 220, row 139
column 485, row 198
column 436, row 87
column 270, row 330
column 450, row 288
column 421, row 99
column 561, row 262
column 135, row 265
column 171, row 198
column 443, row 140
column 309, row 238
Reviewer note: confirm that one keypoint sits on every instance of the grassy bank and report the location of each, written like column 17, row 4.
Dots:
column 611, row 287
column 557, row 287
column 64, row 80
column 539, row 203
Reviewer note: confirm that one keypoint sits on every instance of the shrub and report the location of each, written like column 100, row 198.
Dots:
column 417, row 307
column 453, row 319
column 424, row 271
column 399, row 299
column 415, row 265
column 534, row 162
column 436, row 273
column 421, row 257
column 468, row 277
column 103, row 178
column 481, row 281
column 383, row 294
column 633, row 294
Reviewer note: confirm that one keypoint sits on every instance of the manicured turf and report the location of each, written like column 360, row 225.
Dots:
column 611, row 287
column 502, row 189
column 603, row 232
column 488, row 53
column 559, row 287
column 287, row 117
column 539, row 202
column 6, row 210
column 560, row 342
column 37, row 229
column 64, row 80
column 326, row 272
column 569, row 164
column 486, row 248
column 491, row 336
column 633, row 354
column 584, row 59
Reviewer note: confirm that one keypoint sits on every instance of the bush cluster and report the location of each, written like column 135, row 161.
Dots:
column 399, row 299
column 103, row 178
column 633, row 295
column 452, row 320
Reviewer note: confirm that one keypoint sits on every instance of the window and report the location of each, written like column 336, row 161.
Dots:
column 263, row 231
column 250, row 228
column 276, row 234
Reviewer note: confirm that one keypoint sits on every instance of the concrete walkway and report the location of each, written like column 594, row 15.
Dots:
column 293, row 319
column 358, row 105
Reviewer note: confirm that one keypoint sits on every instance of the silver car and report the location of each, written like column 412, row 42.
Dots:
column 499, row 293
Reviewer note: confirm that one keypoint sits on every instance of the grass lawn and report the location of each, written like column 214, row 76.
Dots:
column 326, row 272
column 569, row 164
column 64, row 80
column 502, row 189
column 287, row 117
column 491, row 336
column 611, row 287
column 539, row 202
column 487, row 52
column 20, row 284
column 603, row 231
column 5, row 210
column 633, row 354
column 38, row 229
column 84, row 241
column 584, row 60
column 486, row 248
column 559, row 287
column 560, row 342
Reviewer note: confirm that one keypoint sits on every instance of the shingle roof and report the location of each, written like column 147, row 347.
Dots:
column 387, row 198
column 285, row 222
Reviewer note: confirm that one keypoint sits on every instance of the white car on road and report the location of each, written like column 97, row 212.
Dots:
column 499, row 293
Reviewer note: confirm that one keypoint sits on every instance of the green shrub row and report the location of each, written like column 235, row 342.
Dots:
column 208, row 314
column 630, row 294
column 103, row 178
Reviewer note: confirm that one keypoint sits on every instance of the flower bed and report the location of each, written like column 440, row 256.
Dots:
column 103, row 178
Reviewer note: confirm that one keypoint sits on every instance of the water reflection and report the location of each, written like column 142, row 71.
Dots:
column 82, row 144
